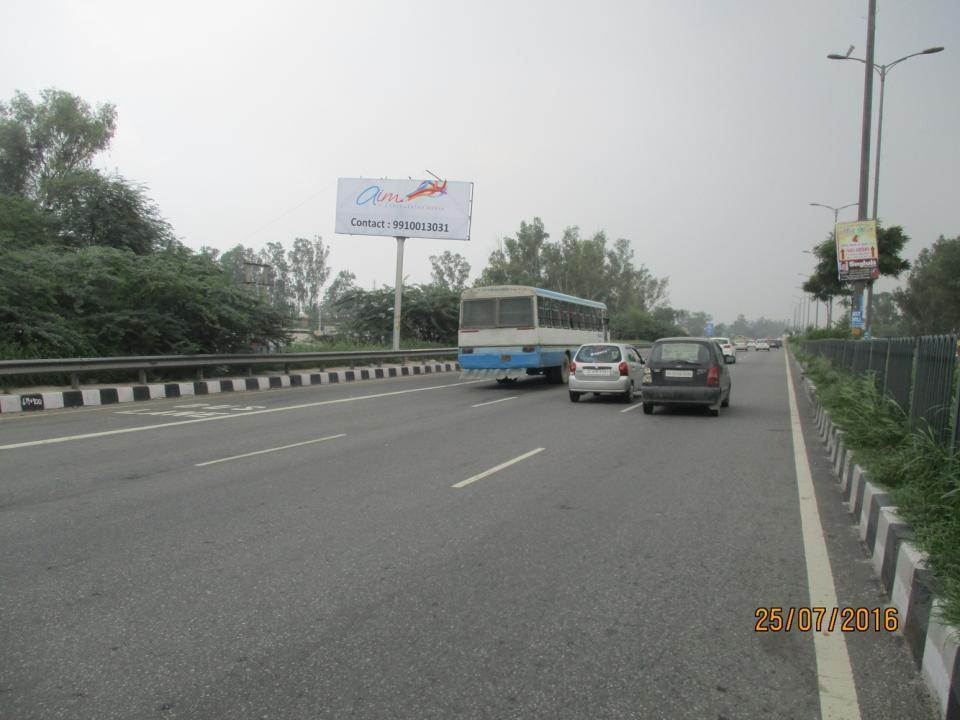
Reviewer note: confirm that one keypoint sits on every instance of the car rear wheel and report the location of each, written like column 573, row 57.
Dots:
column 574, row 396
column 648, row 408
column 627, row 395
column 726, row 401
column 714, row 412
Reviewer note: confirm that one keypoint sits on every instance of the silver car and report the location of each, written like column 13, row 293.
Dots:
column 606, row 368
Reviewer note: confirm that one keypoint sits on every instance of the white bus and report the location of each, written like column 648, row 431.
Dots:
column 507, row 331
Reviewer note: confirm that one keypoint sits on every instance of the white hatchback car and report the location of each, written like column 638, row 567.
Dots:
column 606, row 368
column 762, row 345
column 729, row 351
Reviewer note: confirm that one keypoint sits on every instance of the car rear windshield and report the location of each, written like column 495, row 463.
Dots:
column 691, row 352
column 599, row 354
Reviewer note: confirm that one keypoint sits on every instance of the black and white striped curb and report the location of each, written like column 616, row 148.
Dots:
column 902, row 568
column 112, row 395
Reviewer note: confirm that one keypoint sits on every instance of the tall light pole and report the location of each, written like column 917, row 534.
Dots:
column 882, row 71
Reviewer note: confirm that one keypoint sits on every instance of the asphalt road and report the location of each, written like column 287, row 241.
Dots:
column 613, row 574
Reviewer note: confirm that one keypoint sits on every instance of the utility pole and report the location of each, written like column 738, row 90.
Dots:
column 863, row 210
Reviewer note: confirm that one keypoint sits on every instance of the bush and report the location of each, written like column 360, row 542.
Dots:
column 922, row 476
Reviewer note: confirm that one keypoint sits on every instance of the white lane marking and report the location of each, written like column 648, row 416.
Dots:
column 512, row 397
column 270, row 450
column 838, row 692
column 498, row 468
column 632, row 407
column 143, row 428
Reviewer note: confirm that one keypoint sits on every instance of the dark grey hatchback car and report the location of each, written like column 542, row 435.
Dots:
column 686, row 371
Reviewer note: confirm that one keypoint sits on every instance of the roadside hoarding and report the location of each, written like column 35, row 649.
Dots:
column 708, row 329
column 857, row 255
column 438, row 209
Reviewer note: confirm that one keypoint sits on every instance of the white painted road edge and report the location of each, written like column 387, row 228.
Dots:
column 501, row 466
column 270, row 450
column 838, row 692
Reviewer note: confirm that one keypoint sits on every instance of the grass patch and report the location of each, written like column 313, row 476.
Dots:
column 922, row 476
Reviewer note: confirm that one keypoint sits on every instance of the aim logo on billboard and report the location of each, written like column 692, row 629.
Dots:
column 373, row 195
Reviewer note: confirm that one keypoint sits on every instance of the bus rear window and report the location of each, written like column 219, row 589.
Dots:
column 516, row 312
column 479, row 313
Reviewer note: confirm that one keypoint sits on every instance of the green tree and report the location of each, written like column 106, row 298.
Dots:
column 24, row 225
column 576, row 266
column 887, row 320
column 309, row 268
column 638, row 324
column 824, row 283
column 450, row 270
column 930, row 302
column 518, row 261
column 94, row 209
column 48, row 139
column 430, row 314
column 335, row 313
column 275, row 278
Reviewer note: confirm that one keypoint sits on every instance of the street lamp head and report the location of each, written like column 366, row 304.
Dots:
column 835, row 56
column 932, row 50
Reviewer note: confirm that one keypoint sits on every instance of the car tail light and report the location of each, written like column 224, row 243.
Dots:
column 624, row 370
column 573, row 366
column 713, row 377
column 647, row 375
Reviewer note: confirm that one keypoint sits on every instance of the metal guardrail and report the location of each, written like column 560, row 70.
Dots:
column 142, row 364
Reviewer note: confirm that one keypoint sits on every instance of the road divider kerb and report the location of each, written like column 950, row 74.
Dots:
column 59, row 399
column 901, row 567
column 285, row 408
column 498, row 468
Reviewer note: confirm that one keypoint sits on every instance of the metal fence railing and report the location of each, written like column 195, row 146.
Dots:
column 917, row 373
column 142, row 364
column 933, row 383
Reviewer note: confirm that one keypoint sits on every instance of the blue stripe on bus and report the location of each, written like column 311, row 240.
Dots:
column 539, row 358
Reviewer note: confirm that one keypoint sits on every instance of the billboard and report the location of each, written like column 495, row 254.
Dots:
column 857, row 256
column 437, row 209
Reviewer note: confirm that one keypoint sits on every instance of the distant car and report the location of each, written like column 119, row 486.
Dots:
column 606, row 368
column 729, row 351
column 776, row 343
column 686, row 371
column 751, row 345
column 741, row 345
column 762, row 345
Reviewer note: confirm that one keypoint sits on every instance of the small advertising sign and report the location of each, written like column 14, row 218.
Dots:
column 438, row 209
column 709, row 329
column 856, row 319
column 857, row 255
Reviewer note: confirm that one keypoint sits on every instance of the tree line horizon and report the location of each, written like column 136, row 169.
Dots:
column 92, row 268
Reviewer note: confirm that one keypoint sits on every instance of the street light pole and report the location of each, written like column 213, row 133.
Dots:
column 882, row 71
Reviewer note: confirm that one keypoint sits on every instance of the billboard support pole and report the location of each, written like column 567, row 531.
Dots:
column 398, row 294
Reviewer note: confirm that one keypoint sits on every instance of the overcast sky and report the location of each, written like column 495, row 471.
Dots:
column 698, row 130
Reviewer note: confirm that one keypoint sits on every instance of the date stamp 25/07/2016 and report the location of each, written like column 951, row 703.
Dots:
column 821, row 619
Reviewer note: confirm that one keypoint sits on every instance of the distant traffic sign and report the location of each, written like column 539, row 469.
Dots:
column 709, row 329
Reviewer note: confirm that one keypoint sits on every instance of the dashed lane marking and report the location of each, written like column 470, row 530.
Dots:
column 498, row 468
column 512, row 397
column 270, row 450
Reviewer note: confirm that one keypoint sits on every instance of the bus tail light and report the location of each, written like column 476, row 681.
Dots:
column 713, row 377
column 624, row 370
